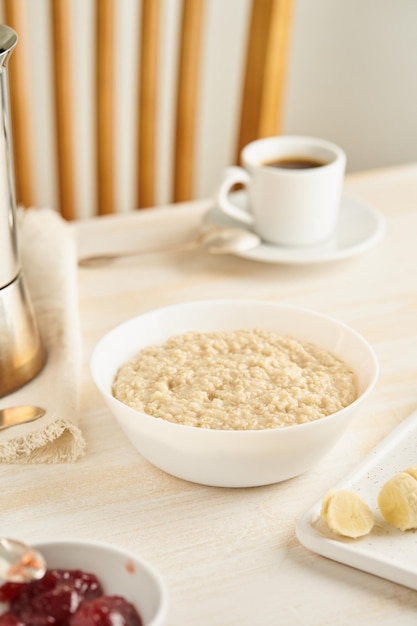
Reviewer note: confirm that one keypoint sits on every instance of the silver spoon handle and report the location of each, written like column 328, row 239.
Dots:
column 99, row 260
column 14, row 415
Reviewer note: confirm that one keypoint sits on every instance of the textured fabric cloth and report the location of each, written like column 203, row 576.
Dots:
column 49, row 266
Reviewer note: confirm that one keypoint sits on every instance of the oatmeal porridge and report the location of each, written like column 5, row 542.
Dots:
column 247, row 379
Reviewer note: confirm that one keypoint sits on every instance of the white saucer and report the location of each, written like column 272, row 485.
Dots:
column 360, row 227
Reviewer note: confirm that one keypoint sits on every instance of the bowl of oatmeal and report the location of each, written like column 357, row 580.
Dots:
column 233, row 392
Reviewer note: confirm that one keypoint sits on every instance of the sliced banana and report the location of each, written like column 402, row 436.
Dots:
column 397, row 499
column 346, row 513
column 412, row 471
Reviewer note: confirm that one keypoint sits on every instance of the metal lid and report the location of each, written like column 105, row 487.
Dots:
column 9, row 258
column 8, row 40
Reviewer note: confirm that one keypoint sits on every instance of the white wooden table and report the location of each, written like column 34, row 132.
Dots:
column 231, row 557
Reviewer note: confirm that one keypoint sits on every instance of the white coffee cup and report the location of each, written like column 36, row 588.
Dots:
column 296, row 203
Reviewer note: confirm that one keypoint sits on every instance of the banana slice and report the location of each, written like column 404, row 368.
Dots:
column 397, row 499
column 412, row 471
column 346, row 513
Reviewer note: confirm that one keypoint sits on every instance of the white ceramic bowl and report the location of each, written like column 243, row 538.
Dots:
column 232, row 458
column 121, row 573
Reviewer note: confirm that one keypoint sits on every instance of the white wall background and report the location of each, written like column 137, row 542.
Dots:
column 352, row 78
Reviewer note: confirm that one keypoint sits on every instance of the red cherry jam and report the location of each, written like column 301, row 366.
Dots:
column 65, row 598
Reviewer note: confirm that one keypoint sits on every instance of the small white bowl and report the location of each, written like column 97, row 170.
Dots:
column 228, row 458
column 120, row 572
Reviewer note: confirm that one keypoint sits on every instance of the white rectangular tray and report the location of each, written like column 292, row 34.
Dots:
column 386, row 551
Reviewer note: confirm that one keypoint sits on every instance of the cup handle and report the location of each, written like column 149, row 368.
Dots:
column 233, row 175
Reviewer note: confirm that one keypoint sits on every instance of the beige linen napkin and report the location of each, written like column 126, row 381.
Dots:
column 49, row 264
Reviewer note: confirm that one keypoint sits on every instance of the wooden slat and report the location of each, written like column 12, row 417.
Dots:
column 105, row 105
column 266, row 62
column 61, row 15
column 148, row 101
column 20, row 104
column 187, row 99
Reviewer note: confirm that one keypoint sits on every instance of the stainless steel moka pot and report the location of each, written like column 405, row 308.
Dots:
column 21, row 352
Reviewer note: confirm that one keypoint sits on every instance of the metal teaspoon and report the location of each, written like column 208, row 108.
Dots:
column 19, row 563
column 19, row 415
column 215, row 240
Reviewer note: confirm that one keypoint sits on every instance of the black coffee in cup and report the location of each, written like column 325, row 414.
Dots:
column 294, row 163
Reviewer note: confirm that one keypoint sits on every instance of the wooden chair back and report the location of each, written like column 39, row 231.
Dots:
column 260, row 109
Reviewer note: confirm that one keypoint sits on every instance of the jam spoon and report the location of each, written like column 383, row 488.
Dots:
column 19, row 563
